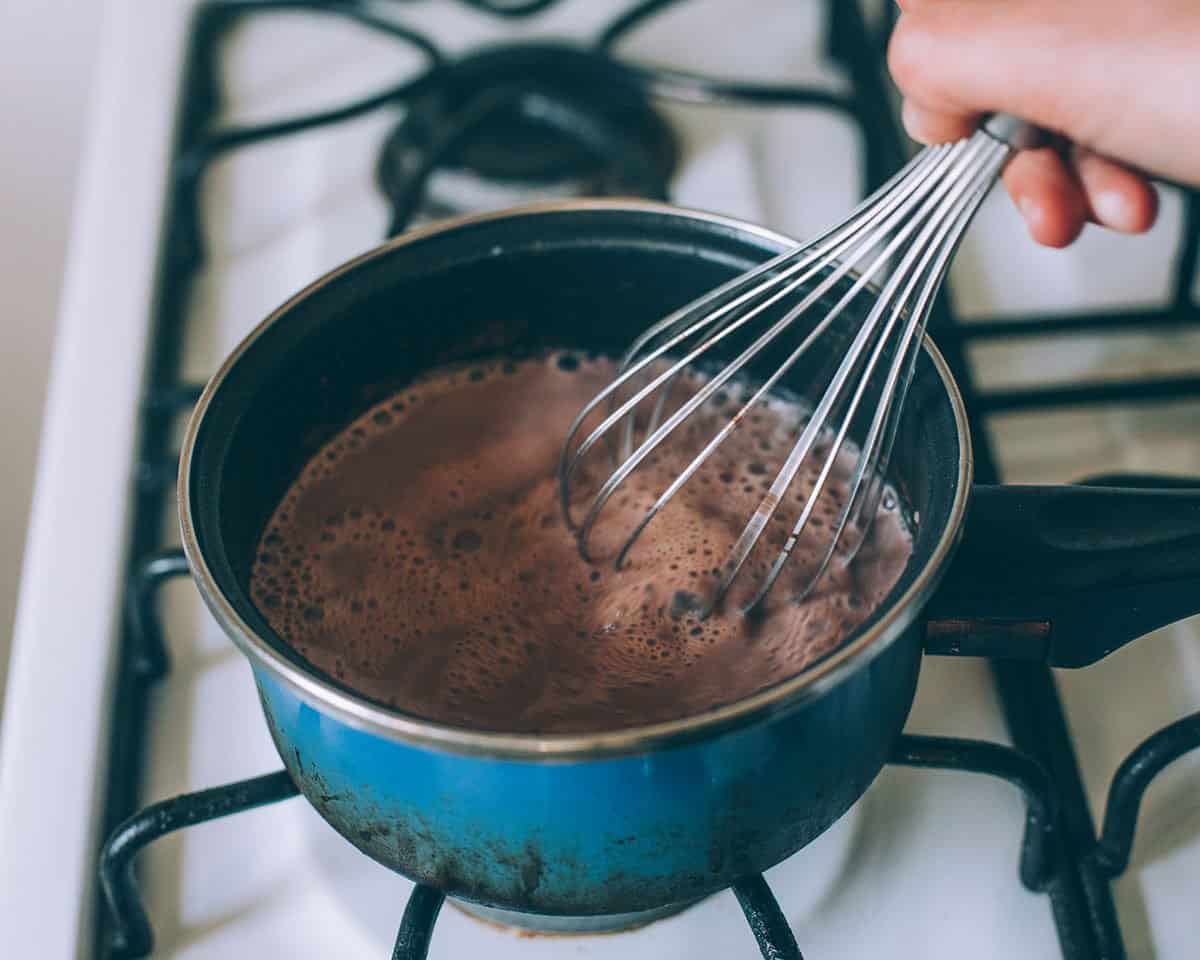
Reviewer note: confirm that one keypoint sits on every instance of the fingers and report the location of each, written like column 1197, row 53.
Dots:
column 1117, row 197
column 1058, row 195
column 955, row 60
column 1049, row 197
column 1117, row 77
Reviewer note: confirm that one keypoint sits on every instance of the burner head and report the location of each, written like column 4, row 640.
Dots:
column 526, row 121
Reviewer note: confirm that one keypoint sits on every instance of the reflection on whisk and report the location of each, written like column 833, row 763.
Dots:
column 844, row 318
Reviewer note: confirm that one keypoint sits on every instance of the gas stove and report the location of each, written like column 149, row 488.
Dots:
column 304, row 133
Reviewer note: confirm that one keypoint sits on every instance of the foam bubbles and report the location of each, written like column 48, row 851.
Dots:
column 421, row 559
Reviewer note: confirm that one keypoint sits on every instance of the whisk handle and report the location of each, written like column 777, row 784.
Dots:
column 1017, row 133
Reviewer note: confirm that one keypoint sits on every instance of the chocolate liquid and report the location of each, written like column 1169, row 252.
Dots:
column 421, row 559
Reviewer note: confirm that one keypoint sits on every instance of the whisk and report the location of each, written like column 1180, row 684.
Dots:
column 894, row 248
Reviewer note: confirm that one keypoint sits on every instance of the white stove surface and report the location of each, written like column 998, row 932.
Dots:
column 925, row 865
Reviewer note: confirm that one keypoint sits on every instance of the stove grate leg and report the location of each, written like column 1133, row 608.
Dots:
column 416, row 929
column 994, row 759
column 770, row 926
column 132, row 935
column 1129, row 785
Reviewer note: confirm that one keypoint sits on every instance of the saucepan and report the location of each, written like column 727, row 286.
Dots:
column 623, row 825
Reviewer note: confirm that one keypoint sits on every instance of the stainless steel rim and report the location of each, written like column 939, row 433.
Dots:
column 392, row 724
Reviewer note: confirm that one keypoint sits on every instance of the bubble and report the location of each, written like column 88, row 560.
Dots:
column 683, row 602
column 468, row 541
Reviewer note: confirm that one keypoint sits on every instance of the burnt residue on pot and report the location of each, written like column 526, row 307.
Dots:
column 519, row 878
column 528, row 878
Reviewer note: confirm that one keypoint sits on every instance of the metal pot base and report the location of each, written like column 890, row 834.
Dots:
column 569, row 926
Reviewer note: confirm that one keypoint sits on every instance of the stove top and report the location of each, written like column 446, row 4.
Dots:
column 306, row 132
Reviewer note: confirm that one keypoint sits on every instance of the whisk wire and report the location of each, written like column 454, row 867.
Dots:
column 896, row 390
column 724, row 320
column 935, row 247
column 825, row 250
column 895, row 247
column 800, row 452
column 896, row 208
column 626, row 372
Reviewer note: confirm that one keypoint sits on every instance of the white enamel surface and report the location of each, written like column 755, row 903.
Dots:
column 924, row 866
column 53, row 736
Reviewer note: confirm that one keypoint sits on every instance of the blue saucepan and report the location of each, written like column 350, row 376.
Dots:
column 624, row 825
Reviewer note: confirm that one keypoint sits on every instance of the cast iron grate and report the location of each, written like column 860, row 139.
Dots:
column 1061, row 852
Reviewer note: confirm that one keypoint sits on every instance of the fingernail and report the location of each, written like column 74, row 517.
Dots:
column 1030, row 211
column 911, row 117
column 1112, row 210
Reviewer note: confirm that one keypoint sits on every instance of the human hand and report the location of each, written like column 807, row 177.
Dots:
column 1119, row 80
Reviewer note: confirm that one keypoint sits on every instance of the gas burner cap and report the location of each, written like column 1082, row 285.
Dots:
column 526, row 121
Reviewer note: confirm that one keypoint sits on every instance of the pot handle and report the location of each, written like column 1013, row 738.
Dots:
column 1067, row 574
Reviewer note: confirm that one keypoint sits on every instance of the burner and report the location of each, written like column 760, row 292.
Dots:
column 515, row 122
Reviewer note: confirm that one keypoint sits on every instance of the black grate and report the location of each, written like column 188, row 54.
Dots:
column 1061, row 854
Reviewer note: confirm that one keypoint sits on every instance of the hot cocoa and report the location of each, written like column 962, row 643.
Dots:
column 421, row 558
